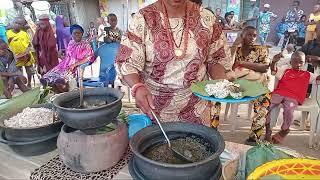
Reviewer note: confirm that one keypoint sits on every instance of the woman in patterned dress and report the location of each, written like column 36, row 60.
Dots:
column 170, row 45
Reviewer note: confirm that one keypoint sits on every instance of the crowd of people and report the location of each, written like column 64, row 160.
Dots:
column 296, row 27
column 51, row 52
column 166, row 49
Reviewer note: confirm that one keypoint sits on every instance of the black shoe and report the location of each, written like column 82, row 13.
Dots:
column 251, row 142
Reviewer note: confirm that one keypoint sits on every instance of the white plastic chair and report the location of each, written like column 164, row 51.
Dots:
column 234, row 113
column 309, row 106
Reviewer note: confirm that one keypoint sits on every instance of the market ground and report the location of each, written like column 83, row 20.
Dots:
column 14, row 166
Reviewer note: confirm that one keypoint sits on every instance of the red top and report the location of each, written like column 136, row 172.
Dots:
column 294, row 84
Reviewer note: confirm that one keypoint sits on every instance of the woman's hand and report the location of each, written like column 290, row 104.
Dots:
column 144, row 100
column 72, row 67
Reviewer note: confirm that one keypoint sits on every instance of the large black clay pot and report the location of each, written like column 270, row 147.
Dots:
column 89, row 118
column 144, row 168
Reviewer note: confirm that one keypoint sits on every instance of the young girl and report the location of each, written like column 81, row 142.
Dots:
column 92, row 35
column 113, row 33
column 290, row 91
column 20, row 44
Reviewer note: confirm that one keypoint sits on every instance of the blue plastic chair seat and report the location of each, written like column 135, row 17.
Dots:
column 94, row 82
column 137, row 122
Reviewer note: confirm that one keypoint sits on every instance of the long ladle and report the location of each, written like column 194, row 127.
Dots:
column 176, row 153
column 80, row 80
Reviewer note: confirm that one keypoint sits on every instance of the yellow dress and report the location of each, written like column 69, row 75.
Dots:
column 19, row 44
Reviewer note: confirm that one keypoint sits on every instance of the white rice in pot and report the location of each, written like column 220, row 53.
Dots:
column 30, row 117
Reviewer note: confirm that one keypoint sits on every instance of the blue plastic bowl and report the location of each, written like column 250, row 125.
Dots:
column 137, row 122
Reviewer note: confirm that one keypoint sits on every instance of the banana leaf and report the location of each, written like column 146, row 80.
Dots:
column 251, row 88
column 18, row 103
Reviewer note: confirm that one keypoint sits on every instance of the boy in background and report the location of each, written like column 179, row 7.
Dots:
column 113, row 33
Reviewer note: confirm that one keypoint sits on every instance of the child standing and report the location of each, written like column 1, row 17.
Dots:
column 113, row 33
column 92, row 35
column 20, row 44
column 290, row 91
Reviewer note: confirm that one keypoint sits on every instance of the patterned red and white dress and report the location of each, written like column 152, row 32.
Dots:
column 146, row 50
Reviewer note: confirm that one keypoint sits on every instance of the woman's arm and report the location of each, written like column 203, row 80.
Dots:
column 75, row 65
column 262, row 68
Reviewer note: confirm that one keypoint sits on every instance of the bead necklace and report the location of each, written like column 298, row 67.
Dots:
column 179, row 53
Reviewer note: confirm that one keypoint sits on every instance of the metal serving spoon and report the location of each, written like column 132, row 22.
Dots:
column 80, row 80
column 177, row 154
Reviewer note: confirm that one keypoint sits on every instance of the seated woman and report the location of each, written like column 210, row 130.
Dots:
column 78, row 52
column 229, row 23
column 9, row 73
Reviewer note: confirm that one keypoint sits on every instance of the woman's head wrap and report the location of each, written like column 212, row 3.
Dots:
column 76, row 26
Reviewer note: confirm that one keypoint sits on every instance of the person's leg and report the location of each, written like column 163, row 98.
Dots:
column 262, row 37
column 314, row 35
column 30, row 73
column 285, row 40
column 6, row 88
column 20, row 81
column 289, row 105
column 215, row 121
column 261, row 108
column 309, row 36
column 276, row 99
column 294, row 37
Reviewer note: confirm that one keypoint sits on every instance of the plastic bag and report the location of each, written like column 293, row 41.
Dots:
column 261, row 154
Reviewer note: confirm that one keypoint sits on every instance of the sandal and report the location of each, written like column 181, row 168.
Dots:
column 279, row 137
column 296, row 122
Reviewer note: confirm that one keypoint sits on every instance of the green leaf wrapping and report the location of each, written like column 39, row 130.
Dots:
column 18, row 103
column 261, row 154
column 251, row 88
